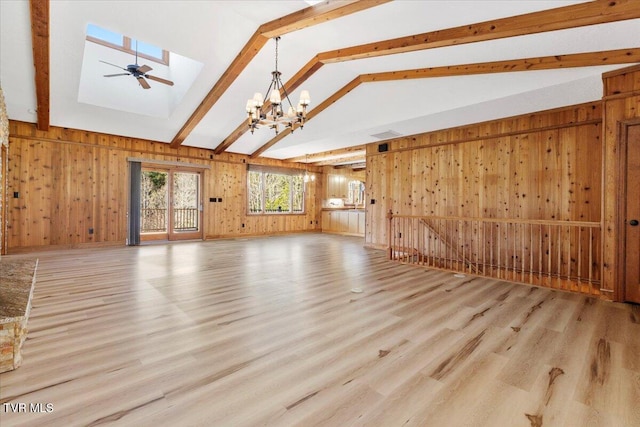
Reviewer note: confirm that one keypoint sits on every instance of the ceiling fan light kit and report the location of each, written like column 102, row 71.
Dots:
column 273, row 114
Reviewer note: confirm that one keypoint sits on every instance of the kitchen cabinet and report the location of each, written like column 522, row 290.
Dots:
column 337, row 186
column 343, row 221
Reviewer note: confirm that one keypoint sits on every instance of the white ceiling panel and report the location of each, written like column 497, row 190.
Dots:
column 213, row 33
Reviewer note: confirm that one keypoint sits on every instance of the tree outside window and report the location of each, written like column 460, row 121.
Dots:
column 274, row 193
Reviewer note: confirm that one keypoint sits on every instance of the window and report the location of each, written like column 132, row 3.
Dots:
column 126, row 44
column 272, row 192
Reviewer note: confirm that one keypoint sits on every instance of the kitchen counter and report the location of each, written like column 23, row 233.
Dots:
column 343, row 209
column 348, row 221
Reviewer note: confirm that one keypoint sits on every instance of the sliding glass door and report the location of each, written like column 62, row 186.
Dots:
column 185, row 207
column 170, row 204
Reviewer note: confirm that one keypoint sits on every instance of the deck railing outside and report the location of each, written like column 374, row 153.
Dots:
column 556, row 254
column 155, row 220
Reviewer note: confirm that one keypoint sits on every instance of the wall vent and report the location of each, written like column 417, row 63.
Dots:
column 387, row 134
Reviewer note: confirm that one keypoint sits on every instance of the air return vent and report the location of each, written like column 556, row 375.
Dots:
column 387, row 135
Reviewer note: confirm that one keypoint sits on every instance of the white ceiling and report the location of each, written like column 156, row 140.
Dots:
column 213, row 33
column 161, row 102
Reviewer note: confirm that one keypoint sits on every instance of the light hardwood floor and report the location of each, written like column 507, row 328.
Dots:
column 265, row 331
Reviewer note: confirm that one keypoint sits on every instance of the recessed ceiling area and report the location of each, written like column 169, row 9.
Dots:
column 207, row 38
column 124, row 93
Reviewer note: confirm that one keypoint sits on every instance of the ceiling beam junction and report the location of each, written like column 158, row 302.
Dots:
column 588, row 59
column 573, row 16
column 304, row 18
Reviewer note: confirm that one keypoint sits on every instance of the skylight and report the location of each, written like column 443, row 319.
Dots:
column 126, row 44
column 103, row 85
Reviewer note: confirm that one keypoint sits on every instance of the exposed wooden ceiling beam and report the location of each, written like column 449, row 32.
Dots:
column 576, row 60
column 579, row 15
column 248, row 52
column 329, row 155
column 355, row 158
column 589, row 59
column 40, row 40
column 325, row 104
column 304, row 73
column 295, row 21
column 318, row 14
column 273, row 141
column 354, row 166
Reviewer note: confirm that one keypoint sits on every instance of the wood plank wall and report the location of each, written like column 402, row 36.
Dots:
column 621, row 105
column 539, row 166
column 542, row 166
column 72, row 180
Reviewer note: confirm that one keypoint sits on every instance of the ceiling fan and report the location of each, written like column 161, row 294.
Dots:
column 139, row 72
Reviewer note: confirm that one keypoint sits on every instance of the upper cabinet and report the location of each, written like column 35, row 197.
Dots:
column 344, row 184
column 337, row 186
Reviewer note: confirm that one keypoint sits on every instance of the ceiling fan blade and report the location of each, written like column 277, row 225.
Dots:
column 113, row 65
column 114, row 75
column 159, row 80
column 143, row 82
column 144, row 69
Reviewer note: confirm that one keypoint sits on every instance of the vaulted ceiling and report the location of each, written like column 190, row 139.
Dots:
column 373, row 68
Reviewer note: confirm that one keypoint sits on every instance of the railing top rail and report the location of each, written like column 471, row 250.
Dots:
column 587, row 224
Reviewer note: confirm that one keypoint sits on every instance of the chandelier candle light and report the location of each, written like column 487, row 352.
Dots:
column 273, row 115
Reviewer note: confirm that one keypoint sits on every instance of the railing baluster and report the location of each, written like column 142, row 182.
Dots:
column 540, row 251
column 522, row 248
column 550, row 257
column 580, row 259
column 511, row 250
column 499, row 266
column 439, row 237
column 411, row 243
column 569, row 257
column 514, row 257
column 405, row 239
column 492, row 248
column 484, row 251
column 559, row 243
column 591, row 260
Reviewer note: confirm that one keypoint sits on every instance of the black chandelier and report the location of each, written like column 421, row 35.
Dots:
column 273, row 115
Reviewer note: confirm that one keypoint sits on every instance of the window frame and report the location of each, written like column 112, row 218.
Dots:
column 127, row 48
column 291, row 175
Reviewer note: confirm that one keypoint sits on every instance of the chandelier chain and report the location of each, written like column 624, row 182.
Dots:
column 277, row 38
column 274, row 115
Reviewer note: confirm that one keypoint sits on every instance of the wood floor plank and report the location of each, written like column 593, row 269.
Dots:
column 266, row 331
